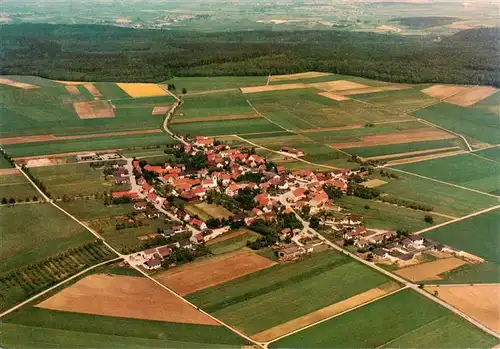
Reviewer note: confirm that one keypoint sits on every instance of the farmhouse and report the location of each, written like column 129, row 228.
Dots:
column 292, row 151
column 152, row 264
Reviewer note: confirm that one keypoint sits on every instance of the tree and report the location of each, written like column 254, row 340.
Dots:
column 12, row 201
column 429, row 219
column 314, row 222
column 4, row 201
column 184, row 91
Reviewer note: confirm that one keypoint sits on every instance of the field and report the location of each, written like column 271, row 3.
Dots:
column 430, row 270
column 16, row 186
column 43, row 231
column 123, row 296
column 413, row 320
column 276, row 295
column 481, row 302
column 142, row 90
column 89, row 144
column 214, row 210
column 492, row 154
column 75, row 180
column 196, row 84
column 407, row 100
column 443, row 91
column 401, row 150
column 193, row 277
column 231, row 241
column 477, row 235
column 297, row 76
column 471, row 96
column 226, row 127
column 385, row 216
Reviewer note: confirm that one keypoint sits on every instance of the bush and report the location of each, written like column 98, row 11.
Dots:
column 429, row 219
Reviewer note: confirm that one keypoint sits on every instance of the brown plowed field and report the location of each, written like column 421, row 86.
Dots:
column 298, row 76
column 94, row 110
column 411, row 153
column 424, row 158
column 9, row 171
column 430, row 270
column 196, row 276
column 359, row 91
column 45, row 138
column 216, row 118
column 17, row 84
column 417, row 135
column 340, row 128
column 93, row 90
column 160, row 110
column 480, row 302
column 338, row 85
column 324, row 313
column 471, row 96
column 124, row 296
column 268, row 88
column 61, row 155
column 333, row 96
column 444, row 91
column 72, row 89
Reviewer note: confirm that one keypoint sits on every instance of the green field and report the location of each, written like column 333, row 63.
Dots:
column 213, row 104
column 16, row 186
column 225, row 127
column 397, row 102
column 443, row 198
column 477, row 235
column 477, row 273
column 4, row 163
column 110, row 90
column 304, row 109
column 75, row 180
column 32, row 232
column 403, row 147
column 402, row 320
column 215, row 82
column 143, row 101
column 233, row 244
column 89, row 144
column 283, row 292
column 466, row 170
column 74, row 328
column 476, row 122
column 386, row 216
column 95, row 209
column 492, row 154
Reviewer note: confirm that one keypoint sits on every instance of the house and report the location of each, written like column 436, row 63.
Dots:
column 293, row 151
column 87, row 157
column 140, row 205
column 152, row 264
column 155, row 199
column 417, row 241
column 290, row 253
column 380, row 252
column 189, row 196
column 203, row 141
column 355, row 233
column 199, row 191
column 149, row 253
column 262, row 200
column 280, row 169
column 146, row 188
column 120, row 194
column 197, row 239
column 208, row 183
column 164, row 251
column 198, row 224
column 319, row 199
column 338, row 184
column 298, row 194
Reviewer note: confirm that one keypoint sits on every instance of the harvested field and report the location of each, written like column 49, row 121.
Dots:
column 337, row 85
column 196, row 276
column 424, row 158
column 333, row 96
column 359, row 91
column 373, row 183
column 73, row 89
column 94, row 110
column 45, row 138
column 216, row 118
column 351, row 302
column 411, row 153
column 430, row 270
column 93, row 90
column 480, row 302
column 160, row 110
column 409, row 136
column 17, row 84
column 471, row 96
column 298, row 76
column 124, row 296
column 268, row 88
column 444, row 91
column 142, row 90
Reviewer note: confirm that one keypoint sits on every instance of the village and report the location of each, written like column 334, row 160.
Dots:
column 288, row 208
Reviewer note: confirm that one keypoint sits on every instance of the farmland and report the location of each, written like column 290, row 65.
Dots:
column 466, row 170
column 407, row 100
column 231, row 241
column 281, row 293
column 402, row 148
column 477, row 235
column 16, row 186
column 413, row 320
column 196, row 84
column 226, row 127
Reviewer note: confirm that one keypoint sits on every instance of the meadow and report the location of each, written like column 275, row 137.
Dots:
column 386, row 216
column 477, row 235
column 403, row 147
column 283, row 292
column 89, row 144
column 225, row 127
column 43, row 231
column 413, row 320
column 232, row 243
column 75, row 180
column 95, row 209
column 4, row 163
column 465, row 170
column 442, row 197
column 16, row 186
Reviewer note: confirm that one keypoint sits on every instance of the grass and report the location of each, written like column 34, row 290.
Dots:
column 413, row 320
column 226, row 127
column 477, row 273
column 233, row 244
column 214, row 210
column 185, row 335
column 143, row 102
column 385, row 216
column 110, row 90
column 75, row 180
column 477, row 235
column 88, row 144
column 213, row 104
column 403, row 147
column 281, row 293
column 4, row 163
column 474, row 122
column 16, row 186
column 215, row 82
column 492, row 153
column 444, row 198
column 466, row 170
column 95, row 209
column 32, row 232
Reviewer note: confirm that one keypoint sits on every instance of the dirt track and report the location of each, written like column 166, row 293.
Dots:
column 430, row 270
column 124, row 296
column 215, row 118
column 196, row 276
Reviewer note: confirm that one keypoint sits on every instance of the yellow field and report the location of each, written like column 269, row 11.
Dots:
column 141, row 89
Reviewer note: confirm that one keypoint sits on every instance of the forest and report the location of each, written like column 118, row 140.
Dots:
column 105, row 53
